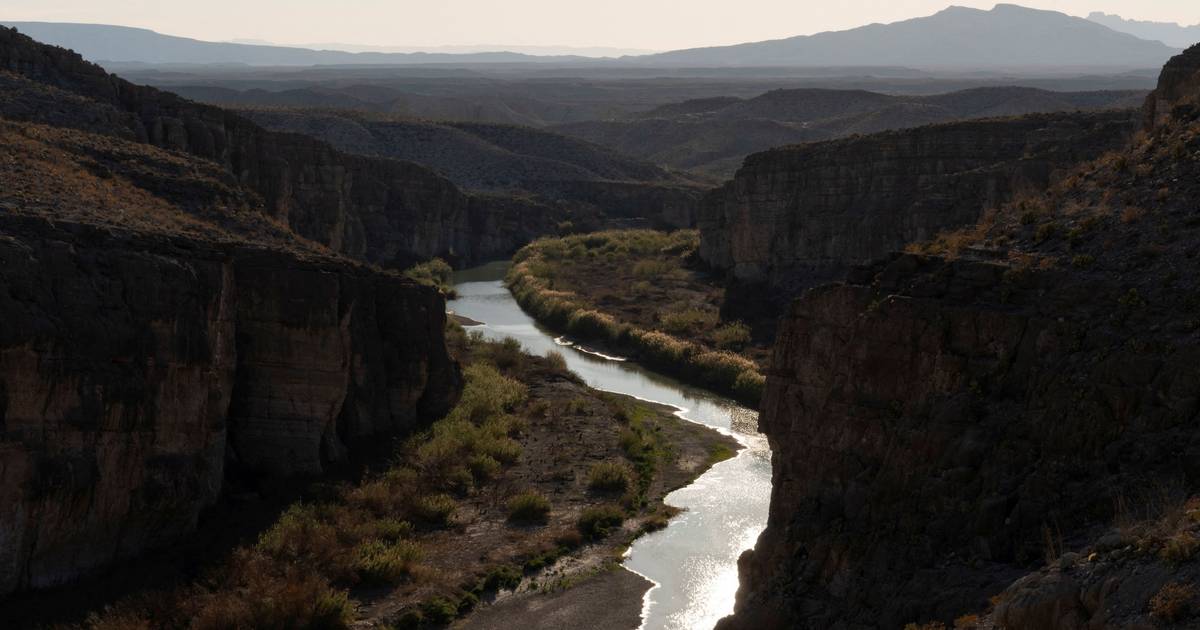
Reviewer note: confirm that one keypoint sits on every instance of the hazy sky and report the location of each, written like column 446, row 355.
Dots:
column 652, row 24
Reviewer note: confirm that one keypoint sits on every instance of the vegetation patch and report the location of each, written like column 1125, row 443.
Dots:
column 633, row 292
column 426, row 530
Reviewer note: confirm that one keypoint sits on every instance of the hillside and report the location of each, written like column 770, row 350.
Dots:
column 1008, row 36
column 998, row 427
column 481, row 157
column 712, row 136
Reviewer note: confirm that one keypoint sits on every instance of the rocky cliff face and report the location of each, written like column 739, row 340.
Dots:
column 159, row 331
column 942, row 426
column 384, row 211
column 798, row 216
column 132, row 371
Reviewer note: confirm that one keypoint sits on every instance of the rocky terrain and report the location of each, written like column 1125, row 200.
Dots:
column 383, row 211
column 1017, row 394
column 160, row 333
column 797, row 216
column 506, row 159
column 713, row 135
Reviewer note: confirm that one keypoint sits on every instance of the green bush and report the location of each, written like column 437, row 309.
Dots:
column 435, row 273
column 597, row 522
column 380, row 562
column 439, row 610
column 506, row 354
column 435, row 510
column 610, row 477
column 528, row 507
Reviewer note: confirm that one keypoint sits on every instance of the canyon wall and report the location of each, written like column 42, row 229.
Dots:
column 134, row 369
column 943, row 427
column 798, row 216
column 388, row 212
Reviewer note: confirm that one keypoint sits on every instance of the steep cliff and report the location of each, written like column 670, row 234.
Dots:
column 384, row 211
column 942, row 425
column 158, row 330
column 797, row 216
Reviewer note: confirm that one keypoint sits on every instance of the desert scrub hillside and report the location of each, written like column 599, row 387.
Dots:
column 634, row 292
column 489, row 498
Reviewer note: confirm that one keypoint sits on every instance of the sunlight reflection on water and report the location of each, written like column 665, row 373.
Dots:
column 693, row 563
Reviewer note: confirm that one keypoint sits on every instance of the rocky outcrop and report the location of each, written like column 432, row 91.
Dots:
column 1179, row 83
column 384, row 211
column 798, row 216
column 135, row 369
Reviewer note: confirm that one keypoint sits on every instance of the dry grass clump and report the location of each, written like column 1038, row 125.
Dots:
column 733, row 336
column 528, row 507
column 610, row 477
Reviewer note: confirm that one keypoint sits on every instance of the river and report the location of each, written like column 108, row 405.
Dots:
column 693, row 562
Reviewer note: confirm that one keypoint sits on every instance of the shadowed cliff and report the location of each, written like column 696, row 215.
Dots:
column 1018, row 393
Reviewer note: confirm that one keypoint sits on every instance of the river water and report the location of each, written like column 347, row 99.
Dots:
column 693, row 562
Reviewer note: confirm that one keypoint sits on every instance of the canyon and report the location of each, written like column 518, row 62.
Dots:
column 944, row 423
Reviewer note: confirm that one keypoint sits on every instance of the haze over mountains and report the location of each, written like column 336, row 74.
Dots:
column 1008, row 37
column 1169, row 33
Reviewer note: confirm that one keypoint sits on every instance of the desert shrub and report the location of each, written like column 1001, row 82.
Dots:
column 1180, row 548
column 556, row 360
column 483, row 467
column 662, row 348
column 501, row 577
column 610, row 477
column 390, row 529
column 732, row 336
column 435, row 273
column 597, row 522
column 749, row 385
column 301, row 537
column 1173, row 602
column 439, row 610
column 256, row 594
column 592, row 324
column 380, row 562
column 721, row 369
column 506, row 354
column 687, row 321
column 435, row 510
column 528, row 507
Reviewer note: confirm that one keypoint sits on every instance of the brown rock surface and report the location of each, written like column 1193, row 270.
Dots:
column 798, row 216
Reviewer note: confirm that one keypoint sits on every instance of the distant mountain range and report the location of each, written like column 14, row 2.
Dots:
column 1169, row 33
column 1006, row 38
column 100, row 42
